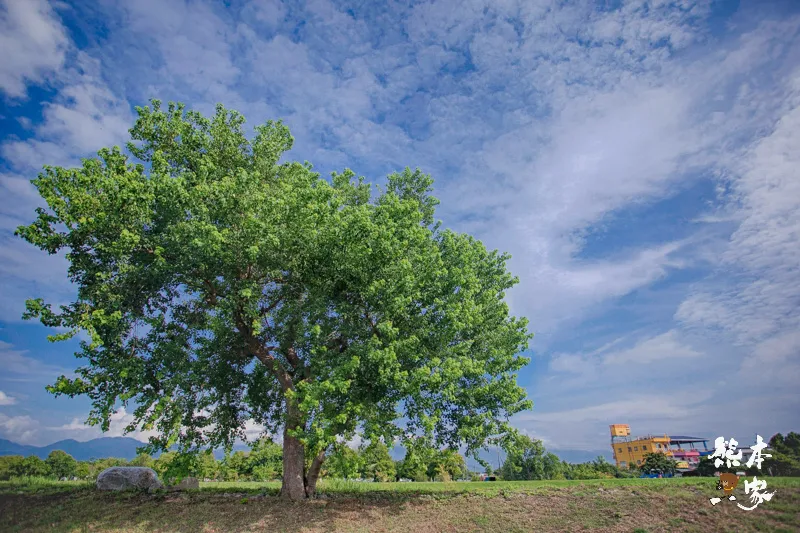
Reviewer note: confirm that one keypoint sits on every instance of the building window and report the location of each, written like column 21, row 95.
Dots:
column 623, row 464
column 620, row 449
column 636, row 448
column 638, row 461
column 629, row 449
column 659, row 446
column 644, row 447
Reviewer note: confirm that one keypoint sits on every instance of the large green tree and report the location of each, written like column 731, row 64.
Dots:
column 417, row 461
column 526, row 459
column 142, row 459
column 343, row 462
column 264, row 461
column 219, row 285
column 785, row 452
column 61, row 464
column 448, row 465
column 33, row 466
column 423, row 461
column 376, row 463
column 656, row 462
column 235, row 466
column 10, row 466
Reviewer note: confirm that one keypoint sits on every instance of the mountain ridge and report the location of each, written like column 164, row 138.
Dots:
column 125, row 448
column 99, row 448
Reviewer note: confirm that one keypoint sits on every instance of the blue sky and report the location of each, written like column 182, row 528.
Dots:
column 640, row 161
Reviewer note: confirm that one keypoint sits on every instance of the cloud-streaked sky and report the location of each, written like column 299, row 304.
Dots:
column 640, row 160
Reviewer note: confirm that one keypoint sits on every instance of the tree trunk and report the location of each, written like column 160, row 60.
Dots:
column 293, row 484
column 313, row 473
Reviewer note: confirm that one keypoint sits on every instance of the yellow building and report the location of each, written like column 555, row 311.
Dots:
column 630, row 452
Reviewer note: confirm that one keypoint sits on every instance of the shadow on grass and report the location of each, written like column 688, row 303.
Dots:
column 192, row 512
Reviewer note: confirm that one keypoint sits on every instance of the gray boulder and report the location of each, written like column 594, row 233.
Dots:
column 185, row 484
column 127, row 478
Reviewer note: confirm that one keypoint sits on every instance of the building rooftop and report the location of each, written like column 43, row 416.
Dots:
column 683, row 439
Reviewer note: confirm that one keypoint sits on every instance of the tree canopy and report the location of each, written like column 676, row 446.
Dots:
column 657, row 462
column 61, row 464
column 376, row 463
column 343, row 462
column 785, row 452
column 219, row 285
column 528, row 459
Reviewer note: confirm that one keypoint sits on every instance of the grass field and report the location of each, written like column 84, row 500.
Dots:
column 619, row 505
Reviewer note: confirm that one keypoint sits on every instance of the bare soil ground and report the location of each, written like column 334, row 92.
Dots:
column 665, row 505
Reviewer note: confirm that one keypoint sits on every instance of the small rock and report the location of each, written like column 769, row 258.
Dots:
column 128, row 477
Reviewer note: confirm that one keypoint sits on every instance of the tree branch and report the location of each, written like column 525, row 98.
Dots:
column 272, row 364
column 269, row 308
column 263, row 353
column 211, row 296
column 296, row 362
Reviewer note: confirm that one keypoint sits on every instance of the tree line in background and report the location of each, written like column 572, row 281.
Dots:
column 264, row 462
column 785, row 460
column 528, row 460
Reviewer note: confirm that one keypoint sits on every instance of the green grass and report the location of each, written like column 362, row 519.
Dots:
column 347, row 487
column 619, row 505
column 33, row 484
column 340, row 486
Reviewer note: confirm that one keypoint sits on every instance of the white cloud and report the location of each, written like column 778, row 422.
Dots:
column 84, row 117
column 665, row 347
column 253, row 430
column 20, row 429
column 581, row 374
column 118, row 421
column 634, row 407
column 74, row 425
column 774, row 362
column 19, row 367
column 585, row 428
column 757, row 300
column 631, row 141
column 34, row 44
column 5, row 399
column 121, row 418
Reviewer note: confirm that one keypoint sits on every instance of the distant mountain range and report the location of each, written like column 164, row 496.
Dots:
column 101, row 448
column 125, row 448
column 122, row 447
column 570, row 456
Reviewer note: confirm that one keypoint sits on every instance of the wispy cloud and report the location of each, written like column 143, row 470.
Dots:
column 118, row 421
column 663, row 347
column 755, row 298
column 34, row 44
column 17, row 366
column 5, row 399
column 21, row 429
